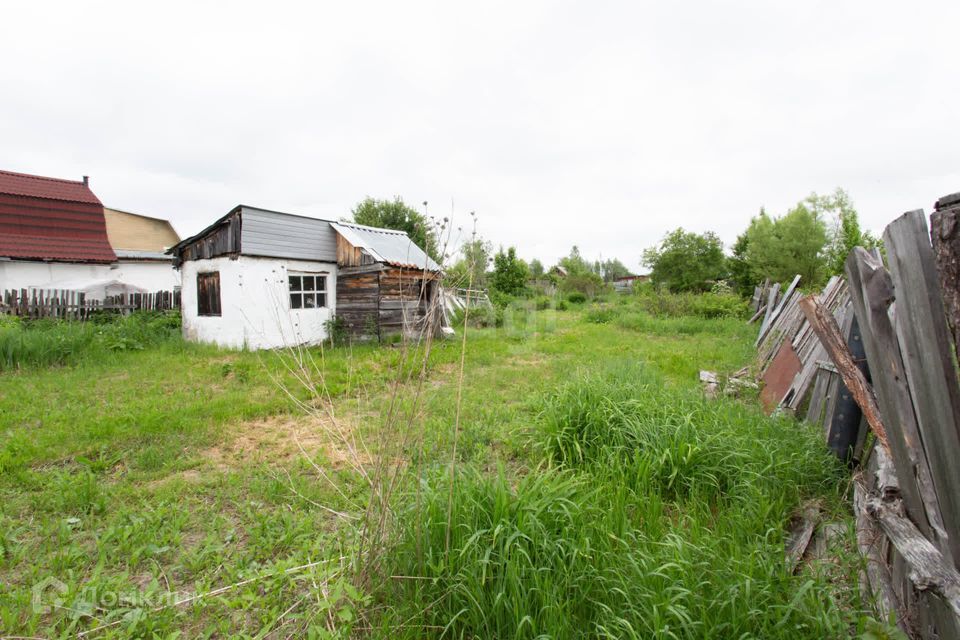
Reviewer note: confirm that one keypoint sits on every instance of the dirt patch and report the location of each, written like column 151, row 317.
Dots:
column 280, row 439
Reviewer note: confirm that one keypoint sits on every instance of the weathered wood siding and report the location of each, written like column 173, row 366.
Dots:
column 221, row 241
column 381, row 301
column 358, row 296
column 351, row 256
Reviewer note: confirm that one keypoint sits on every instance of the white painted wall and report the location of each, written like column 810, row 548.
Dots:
column 23, row 274
column 255, row 303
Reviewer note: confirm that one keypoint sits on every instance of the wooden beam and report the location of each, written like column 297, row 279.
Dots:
column 825, row 326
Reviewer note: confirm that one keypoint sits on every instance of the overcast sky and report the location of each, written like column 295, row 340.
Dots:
column 601, row 124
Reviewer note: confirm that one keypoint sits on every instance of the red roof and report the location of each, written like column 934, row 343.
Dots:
column 51, row 219
column 23, row 184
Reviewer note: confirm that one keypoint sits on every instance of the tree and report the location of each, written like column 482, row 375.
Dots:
column 780, row 248
column 509, row 272
column 395, row 214
column 613, row 269
column 536, row 268
column 686, row 261
column 575, row 264
column 741, row 273
column 471, row 268
column 845, row 232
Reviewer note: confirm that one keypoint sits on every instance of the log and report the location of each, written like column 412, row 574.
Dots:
column 871, row 544
column 825, row 326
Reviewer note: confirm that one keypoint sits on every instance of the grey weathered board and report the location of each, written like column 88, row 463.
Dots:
column 928, row 360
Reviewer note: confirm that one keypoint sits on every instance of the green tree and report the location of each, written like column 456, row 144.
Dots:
column 395, row 214
column 510, row 273
column 686, row 261
column 575, row 264
column 613, row 269
column 780, row 248
column 845, row 232
column 742, row 276
column 536, row 268
column 471, row 267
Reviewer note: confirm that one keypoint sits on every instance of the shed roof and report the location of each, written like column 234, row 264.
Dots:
column 51, row 219
column 386, row 245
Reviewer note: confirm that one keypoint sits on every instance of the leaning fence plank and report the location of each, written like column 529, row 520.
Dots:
column 872, row 292
column 928, row 359
column 771, row 303
column 829, row 333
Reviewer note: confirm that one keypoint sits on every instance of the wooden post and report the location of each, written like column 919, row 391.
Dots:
column 945, row 234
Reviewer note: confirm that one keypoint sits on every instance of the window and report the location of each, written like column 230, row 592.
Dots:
column 308, row 290
column 208, row 294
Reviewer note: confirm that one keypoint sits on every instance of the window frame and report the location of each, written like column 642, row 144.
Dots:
column 297, row 296
column 209, row 306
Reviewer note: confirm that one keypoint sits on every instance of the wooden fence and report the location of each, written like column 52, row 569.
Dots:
column 73, row 305
column 876, row 352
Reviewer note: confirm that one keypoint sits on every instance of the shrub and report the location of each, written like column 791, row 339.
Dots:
column 480, row 317
column 576, row 298
column 601, row 315
column 662, row 303
column 542, row 303
column 337, row 332
column 561, row 305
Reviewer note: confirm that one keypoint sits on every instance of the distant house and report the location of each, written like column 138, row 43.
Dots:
column 55, row 234
column 624, row 284
column 558, row 271
column 264, row 279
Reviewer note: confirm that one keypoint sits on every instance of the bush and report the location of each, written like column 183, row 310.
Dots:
column 601, row 315
column 542, row 303
column 662, row 303
column 561, row 305
column 480, row 317
column 576, row 298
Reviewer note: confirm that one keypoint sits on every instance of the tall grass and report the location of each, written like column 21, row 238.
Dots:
column 43, row 343
column 655, row 514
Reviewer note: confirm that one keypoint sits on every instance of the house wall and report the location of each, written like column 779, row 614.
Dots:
column 23, row 274
column 255, row 303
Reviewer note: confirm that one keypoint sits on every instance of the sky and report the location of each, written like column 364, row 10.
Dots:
column 600, row 124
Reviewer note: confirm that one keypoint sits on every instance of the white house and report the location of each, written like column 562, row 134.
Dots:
column 265, row 279
column 56, row 234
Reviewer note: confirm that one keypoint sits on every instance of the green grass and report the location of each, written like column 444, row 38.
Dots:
column 597, row 495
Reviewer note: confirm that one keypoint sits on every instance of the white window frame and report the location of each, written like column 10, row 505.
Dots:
column 306, row 286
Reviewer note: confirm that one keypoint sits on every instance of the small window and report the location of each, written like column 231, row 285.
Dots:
column 308, row 290
column 208, row 294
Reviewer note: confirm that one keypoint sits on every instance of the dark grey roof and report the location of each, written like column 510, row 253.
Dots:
column 386, row 245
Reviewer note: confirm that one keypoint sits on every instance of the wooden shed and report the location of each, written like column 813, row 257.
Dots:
column 386, row 284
